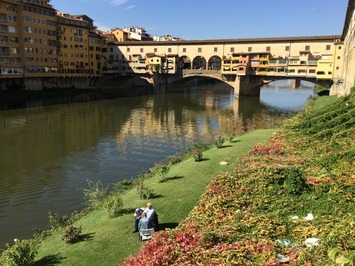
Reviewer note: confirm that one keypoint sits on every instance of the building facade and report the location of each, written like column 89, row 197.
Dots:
column 28, row 39
column 348, row 37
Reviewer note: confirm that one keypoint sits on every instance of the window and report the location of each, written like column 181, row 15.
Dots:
column 268, row 49
column 338, row 57
column 312, row 71
column 215, row 49
column 28, row 29
column 307, row 47
column 11, row 18
column 155, row 50
column 26, row 19
column 14, row 50
column 200, row 50
column 232, row 50
column 327, row 47
column 128, row 49
column 250, row 49
column 141, row 50
column 287, row 48
column 12, row 29
column 184, row 50
column 28, row 39
column 169, row 50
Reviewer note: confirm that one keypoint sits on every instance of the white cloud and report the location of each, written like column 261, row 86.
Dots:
column 130, row 7
column 117, row 2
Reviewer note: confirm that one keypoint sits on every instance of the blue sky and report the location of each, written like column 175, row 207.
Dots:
column 215, row 19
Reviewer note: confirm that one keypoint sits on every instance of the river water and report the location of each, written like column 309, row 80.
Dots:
column 49, row 152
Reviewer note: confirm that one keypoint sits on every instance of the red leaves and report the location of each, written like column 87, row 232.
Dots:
column 273, row 148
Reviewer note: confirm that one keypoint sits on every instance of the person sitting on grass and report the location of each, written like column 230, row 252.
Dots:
column 147, row 214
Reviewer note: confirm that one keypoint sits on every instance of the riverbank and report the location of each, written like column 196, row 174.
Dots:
column 289, row 202
column 110, row 240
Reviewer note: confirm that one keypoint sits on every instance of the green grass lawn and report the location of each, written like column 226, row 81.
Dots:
column 109, row 241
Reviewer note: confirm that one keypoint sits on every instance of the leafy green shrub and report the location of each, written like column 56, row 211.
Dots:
column 175, row 159
column 95, row 194
column 123, row 185
column 71, row 235
column 55, row 221
column 295, row 181
column 344, row 258
column 230, row 138
column 161, row 172
column 22, row 253
column 219, row 142
column 143, row 191
column 114, row 205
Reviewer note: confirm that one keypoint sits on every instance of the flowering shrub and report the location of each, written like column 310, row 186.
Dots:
column 197, row 155
column 71, row 235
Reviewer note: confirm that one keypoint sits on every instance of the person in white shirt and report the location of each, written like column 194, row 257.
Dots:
column 142, row 218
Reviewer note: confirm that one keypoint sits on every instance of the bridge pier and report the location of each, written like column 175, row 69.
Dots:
column 247, row 86
column 295, row 83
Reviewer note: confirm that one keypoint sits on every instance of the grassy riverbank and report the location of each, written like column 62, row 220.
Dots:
column 109, row 241
column 289, row 202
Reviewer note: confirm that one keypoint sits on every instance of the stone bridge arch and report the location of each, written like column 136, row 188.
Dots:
column 199, row 62
column 185, row 62
column 215, row 63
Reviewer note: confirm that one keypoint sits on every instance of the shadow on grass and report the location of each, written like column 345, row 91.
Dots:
column 49, row 260
column 86, row 237
column 156, row 196
column 202, row 160
column 225, row 146
column 167, row 226
column 127, row 211
column 171, row 178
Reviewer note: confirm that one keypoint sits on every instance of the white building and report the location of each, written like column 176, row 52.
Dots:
column 136, row 33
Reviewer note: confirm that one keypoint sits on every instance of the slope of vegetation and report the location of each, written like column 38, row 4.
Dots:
column 290, row 202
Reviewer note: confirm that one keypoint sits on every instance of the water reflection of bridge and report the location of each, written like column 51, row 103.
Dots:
column 241, row 115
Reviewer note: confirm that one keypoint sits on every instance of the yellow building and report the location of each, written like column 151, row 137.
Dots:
column 28, row 39
column 325, row 66
column 155, row 63
column 97, row 54
column 277, row 66
column 120, row 35
column 338, row 61
column 73, row 45
column 263, row 64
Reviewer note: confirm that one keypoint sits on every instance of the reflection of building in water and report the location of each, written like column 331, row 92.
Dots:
column 156, row 122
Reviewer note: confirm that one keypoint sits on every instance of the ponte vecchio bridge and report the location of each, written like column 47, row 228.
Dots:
column 245, row 64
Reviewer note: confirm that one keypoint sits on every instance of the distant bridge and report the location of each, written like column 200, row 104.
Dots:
column 243, row 85
column 244, row 64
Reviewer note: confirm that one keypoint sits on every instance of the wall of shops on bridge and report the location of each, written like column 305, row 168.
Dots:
column 314, row 57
